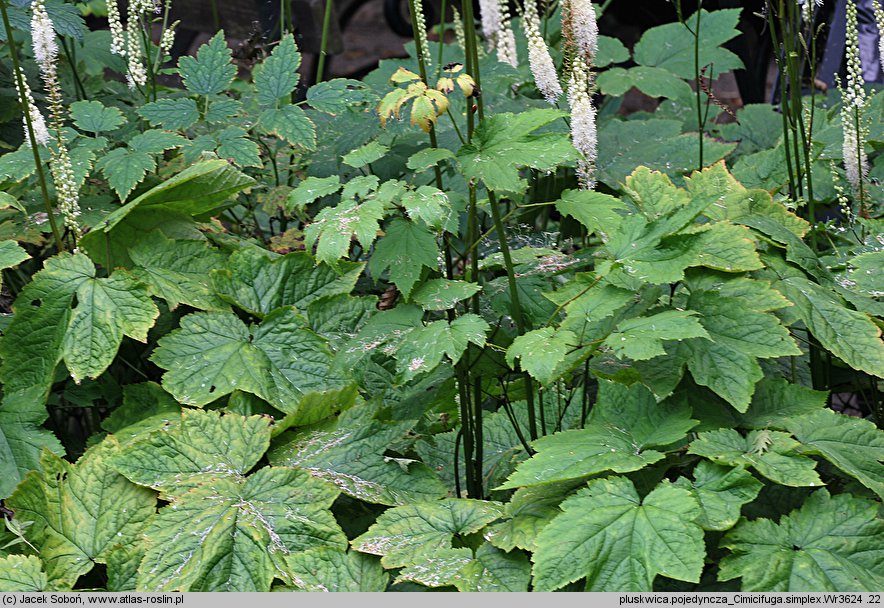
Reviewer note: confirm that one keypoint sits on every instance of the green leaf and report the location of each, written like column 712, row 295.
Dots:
column 671, row 46
column 406, row 249
column 11, row 254
column 155, row 141
column 196, row 190
column 365, row 155
column 442, row 294
column 428, row 204
column 292, row 124
column 233, row 144
column 173, row 114
column 730, row 373
column 493, row 570
column 45, row 329
column 848, row 334
column 663, row 147
column 866, row 272
column 211, row 72
column 146, row 407
column 773, row 454
column 654, row 193
column 720, row 492
column 424, row 348
column 413, row 533
column 197, row 448
column 178, row 271
column 336, row 95
column 652, row 81
column 21, row 438
column 832, row 543
column 618, row 541
column 529, row 511
column 624, row 424
column 311, row 189
column 233, row 534
column 277, row 76
column 505, row 142
column 80, row 512
column 349, row 452
column 330, row 570
column 541, row 351
column 854, row 445
column 340, row 317
column 727, row 247
column 641, row 338
column 107, row 309
column 95, row 117
column 22, row 573
column 212, row 354
column 334, row 227
column 611, row 50
column 600, row 213
column 124, row 169
column 428, row 157
column 259, row 283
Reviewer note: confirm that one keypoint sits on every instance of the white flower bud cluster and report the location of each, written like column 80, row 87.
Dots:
column 807, row 9
column 584, row 28
column 168, row 38
column 115, row 25
column 43, row 38
column 489, row 12
column 38, row 123
column 505, row 40
column 420, row 28
column 879, row 20
column 853, row 99
column 583, row 123
column 46, row 54
column 542, row 66
column 459, row 33
column 136, row 74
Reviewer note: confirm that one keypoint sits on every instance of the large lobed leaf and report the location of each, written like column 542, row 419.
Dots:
column 832, row 543
column 214, row 353
column 80, row 511
column 618, row 541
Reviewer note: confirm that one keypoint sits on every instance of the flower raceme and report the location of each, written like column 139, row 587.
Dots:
column 542, row 66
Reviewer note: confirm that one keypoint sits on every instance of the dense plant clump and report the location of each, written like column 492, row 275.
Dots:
column 461, row 324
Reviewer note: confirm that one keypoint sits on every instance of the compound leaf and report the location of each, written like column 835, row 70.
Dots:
column 80, row 511
column 540, row 351
column 406, row 249
column 618, row 541
column 211, row 71
column 212, row 354
column 854, row 445
column 331, row 570
column 277, row 76
column 773, row 454
column 832, row 543
column 410, row 534
column 260, row 283
column 720, row 492
column 233, row 534
column 349, row 452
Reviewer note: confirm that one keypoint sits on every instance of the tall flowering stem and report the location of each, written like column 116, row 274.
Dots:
column 21, row 85
column 542, row 66
column 581, row 29
column 489, row 12
column 879, row 20
column 583, row 122
column 115, row 25
column 853, row 100
column 46, row 53
column 505, row 39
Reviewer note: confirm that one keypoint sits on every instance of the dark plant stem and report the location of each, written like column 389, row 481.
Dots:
column 323, row 44
column 19, row 78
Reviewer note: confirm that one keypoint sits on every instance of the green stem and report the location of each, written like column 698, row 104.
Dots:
column 19, row 78
column 72, row 61
column 700, row 120
column 323, row 45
